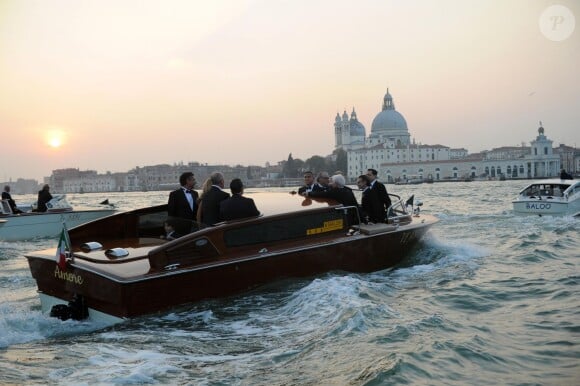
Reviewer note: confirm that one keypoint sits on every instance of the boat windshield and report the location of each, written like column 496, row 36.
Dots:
column 553, row 190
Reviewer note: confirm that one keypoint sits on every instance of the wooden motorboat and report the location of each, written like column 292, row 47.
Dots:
column 28, row 224
column 119, row 267
column 549, row 197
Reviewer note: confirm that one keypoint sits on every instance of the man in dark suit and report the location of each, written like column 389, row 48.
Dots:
column 308, row 183
column 182, row 204
column 44, row 197
column 322, row 181
column 210, row 205
column 237, row 206
column 6, row 196
column 379, row 188
column 372, row 207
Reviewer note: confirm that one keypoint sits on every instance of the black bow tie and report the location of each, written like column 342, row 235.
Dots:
column 188, row 191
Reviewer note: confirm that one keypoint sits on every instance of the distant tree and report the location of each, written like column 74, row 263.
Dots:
column 289, row 169
column 317, row 164
column 249, row 173
column 300, row 167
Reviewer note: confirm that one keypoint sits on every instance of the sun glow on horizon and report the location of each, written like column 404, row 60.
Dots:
column 55, row 138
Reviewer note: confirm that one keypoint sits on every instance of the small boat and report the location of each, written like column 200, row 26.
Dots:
column 119, row 267
column 549, row 197
column 411, row 180
column 28, row 224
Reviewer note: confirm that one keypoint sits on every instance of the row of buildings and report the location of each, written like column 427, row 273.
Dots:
column 389, row 150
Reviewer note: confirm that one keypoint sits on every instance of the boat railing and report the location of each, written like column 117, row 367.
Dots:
column 398, row 212
column 350, row 209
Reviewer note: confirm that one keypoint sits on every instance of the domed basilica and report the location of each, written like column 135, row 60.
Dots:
column 388, row 127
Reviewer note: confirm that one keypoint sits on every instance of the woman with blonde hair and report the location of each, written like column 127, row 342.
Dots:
column 205, row 188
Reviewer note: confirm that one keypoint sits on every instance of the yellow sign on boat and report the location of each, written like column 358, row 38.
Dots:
column 328, row 226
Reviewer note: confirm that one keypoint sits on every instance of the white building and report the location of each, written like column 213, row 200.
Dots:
column 389, row 150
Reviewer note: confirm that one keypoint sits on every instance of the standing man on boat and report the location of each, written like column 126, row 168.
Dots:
column 380, row 189
column 182, row 204
column 210, row 205
column 338, row 192
column 308, row 183
column 44, row 196
column 322, row 181
column 372, row 207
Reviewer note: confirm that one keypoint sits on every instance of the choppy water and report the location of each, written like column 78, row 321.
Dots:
column 489, row 298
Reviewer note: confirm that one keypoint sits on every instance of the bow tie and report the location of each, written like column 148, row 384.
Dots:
column 188, row 191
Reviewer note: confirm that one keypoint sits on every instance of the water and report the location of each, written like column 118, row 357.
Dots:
column 489, row 298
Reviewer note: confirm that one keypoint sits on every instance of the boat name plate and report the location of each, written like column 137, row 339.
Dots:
column 328, row 226
column 68, row 276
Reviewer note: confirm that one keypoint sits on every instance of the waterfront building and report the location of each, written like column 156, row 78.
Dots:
column 390, row 150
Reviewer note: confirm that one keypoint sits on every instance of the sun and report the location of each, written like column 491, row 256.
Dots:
column 55, row 138
column 55, row 142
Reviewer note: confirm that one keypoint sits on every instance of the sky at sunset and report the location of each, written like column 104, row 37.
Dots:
column 109, row 85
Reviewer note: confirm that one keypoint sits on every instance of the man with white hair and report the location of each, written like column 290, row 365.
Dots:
column 337, row 192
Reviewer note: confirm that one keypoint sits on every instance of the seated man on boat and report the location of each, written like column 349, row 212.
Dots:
column 237, row 206
column 44, row 197
column 6, row 196
column 170, row 232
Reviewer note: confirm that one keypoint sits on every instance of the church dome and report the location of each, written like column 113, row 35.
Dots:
column 356, row 128
column 389, row 118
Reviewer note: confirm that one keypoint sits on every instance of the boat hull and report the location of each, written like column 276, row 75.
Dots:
column 38, row 225
column 546, row 207
column 147, row 294
column 549, row 197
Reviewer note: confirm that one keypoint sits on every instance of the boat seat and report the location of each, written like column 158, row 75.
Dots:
column 372, row 229
column 5, row 207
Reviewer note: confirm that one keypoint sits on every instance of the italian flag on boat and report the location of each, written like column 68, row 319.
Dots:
column 63, row 248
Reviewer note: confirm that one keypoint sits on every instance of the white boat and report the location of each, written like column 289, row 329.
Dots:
column 29, row 225
column 549, row 197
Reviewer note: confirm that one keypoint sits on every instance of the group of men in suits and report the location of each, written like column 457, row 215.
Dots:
column 186, row 209
column 375, row 199
column 321, row 183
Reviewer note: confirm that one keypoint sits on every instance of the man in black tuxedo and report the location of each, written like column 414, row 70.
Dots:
column 372, row 207
column 237, row 206
column 379, row 188
column 308, row 183
column 210, row 205
column 182, row 204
